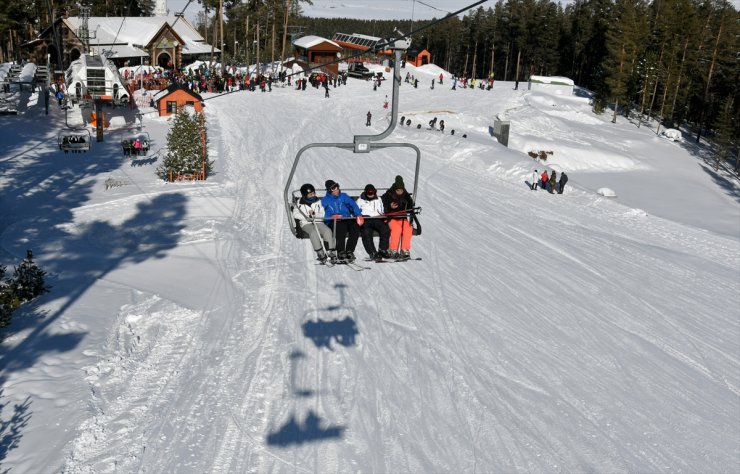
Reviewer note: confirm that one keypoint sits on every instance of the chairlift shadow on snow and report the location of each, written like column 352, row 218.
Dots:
column 150, row 160
column 295, row 356
column 311, row 429
column 322, row 333
column 342, row 331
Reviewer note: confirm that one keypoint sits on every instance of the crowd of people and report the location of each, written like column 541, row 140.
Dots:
column 336, row 222
column 549, row 182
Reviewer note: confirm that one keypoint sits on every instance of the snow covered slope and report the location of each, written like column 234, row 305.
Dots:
column 189, row 332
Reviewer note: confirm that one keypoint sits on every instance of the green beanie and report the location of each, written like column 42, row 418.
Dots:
column 398, row 184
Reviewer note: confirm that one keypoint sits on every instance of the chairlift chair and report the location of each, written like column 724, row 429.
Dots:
column 361, row 144
column 75, row 141
column 128, row 144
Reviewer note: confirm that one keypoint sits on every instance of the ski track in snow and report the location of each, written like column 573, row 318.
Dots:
column 540, row 333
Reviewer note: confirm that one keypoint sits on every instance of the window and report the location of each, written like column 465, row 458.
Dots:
column 95, row 82
column 171, row 107
column 190, row 102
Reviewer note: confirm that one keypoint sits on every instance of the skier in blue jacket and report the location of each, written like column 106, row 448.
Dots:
column 339, row 209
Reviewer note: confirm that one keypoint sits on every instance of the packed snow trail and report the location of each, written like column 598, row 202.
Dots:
column 535, row 357
column 539, row 333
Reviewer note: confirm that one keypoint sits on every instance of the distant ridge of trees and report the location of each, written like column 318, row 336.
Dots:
column 676, row 60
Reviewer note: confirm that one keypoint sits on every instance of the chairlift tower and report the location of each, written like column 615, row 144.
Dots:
column 83, row 32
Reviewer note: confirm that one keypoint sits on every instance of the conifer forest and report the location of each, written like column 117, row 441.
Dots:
column 674, row 60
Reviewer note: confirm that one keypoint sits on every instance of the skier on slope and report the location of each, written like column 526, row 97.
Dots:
column 309, row 214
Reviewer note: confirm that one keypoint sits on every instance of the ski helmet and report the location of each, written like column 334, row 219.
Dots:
column 307, row 188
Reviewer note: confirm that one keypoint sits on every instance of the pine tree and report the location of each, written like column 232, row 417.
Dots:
column 8, row 301
column 726, row 133
column 28, row 279
column 185, row 148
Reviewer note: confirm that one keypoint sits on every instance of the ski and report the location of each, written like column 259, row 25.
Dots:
column 390, row 260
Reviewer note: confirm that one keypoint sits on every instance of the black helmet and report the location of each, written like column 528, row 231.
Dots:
column 307, row 188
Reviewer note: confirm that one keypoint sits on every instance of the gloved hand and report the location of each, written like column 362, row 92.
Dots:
column 360, row 220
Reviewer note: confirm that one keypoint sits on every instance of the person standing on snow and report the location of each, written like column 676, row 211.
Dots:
column 396, row 201
column 535, row 180
column 552, row 182
column 372, row 207
column 309, row 214
column 369, row 117
column 339, row 209
column 563, row 180
column 543, row 180
column 440, row 78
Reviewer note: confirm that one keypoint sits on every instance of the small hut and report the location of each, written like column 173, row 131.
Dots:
column 418, row 58
column 172, row 99
column 315, row 50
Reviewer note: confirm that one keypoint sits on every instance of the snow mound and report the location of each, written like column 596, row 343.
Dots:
column 433, row 69
column 672, row 134
column 606, row 192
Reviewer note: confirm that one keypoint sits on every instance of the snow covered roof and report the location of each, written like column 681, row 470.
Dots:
column 139, row 30
column 122, row 51
column 565, row 81
column 310, row 41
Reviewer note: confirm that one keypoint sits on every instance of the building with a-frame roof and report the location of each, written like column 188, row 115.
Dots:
column 171, row 100
column 164, row 41
column 315, row 51
column 355, row 44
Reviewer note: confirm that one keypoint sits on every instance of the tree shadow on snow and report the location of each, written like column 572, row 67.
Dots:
column 12, row 421
column 311, row 430
column 728, row 184
column 42, row 187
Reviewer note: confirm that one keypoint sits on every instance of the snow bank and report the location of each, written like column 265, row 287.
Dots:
column 672, row 134
column 552, row 84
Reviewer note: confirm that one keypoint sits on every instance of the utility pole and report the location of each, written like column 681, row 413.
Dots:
column 475, row 56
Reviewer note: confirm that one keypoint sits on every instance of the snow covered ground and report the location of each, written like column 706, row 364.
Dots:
column 188, row 331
